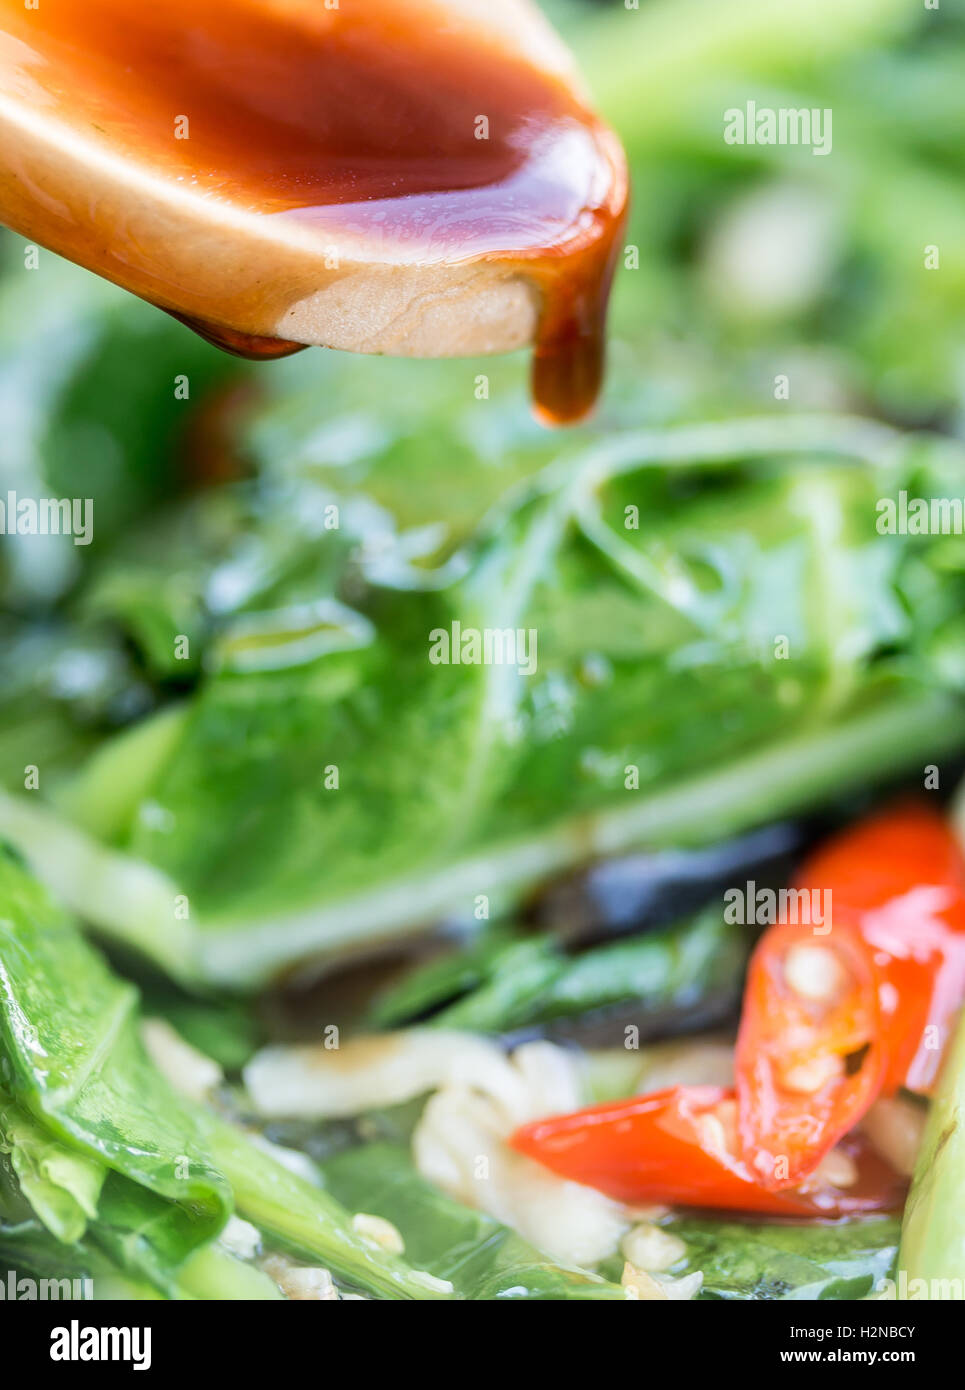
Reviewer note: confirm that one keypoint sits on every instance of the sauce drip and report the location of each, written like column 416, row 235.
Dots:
column 358, row 122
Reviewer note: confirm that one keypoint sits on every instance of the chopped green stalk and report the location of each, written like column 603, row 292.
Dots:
column 122, row 898
column 114, row 1287
column 933, row 1234
column 440, row 982
column 522, row 976
column 214, row 1273
column 29, row 1249
column 103, row 798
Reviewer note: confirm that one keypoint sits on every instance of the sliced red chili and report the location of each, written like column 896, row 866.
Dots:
column 899, row 880
column 679, row 1146
column 810, row 1057
column 862, row 1004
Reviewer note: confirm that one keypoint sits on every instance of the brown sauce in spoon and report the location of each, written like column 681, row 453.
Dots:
column 363, row 119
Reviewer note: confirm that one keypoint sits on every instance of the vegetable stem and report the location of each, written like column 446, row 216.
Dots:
column 307, row 1221
column 933, row 1234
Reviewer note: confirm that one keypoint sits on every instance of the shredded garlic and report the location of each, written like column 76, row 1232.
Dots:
column 317, row 1082
column 188, row 1070
column 837, row 1168
column 241, row 1238
column 379, row 1231
column 640, row 1285
column 460, row 1145
column 647, row 1288
column 685, row 1288
column 429, row 1281
column 895, row 1127
column 302, row 1283
column 648, row 1247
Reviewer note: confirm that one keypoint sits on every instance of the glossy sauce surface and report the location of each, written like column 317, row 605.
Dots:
column 361, row 120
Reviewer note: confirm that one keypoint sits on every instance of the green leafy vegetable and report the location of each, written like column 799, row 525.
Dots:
column 773, row 1261
column 483, row 1259
column 933, row 1234
column 423, row 990
column 61, row 1185
column 68, row 1033
column 751, row 646
column 93, row 1101
column 226, row 1030
column 246, row 758
column 665, row 973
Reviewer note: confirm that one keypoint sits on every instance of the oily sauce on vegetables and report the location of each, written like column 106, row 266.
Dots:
column 363, row 118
